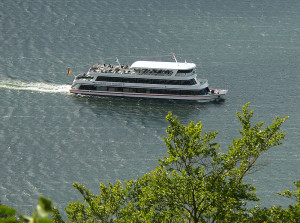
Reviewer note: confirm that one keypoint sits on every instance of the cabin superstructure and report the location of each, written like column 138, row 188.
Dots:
column 163, row 68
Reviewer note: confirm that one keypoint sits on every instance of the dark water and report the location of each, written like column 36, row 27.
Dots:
column 49, row 138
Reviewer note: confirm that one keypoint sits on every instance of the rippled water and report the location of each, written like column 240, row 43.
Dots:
column 49, row 138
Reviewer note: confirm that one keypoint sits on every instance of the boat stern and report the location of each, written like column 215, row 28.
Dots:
column 221, row 91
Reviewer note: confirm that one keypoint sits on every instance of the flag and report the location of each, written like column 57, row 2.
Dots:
column 174, row 58
column 69, row 71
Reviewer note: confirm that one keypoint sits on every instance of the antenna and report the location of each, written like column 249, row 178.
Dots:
column 118, row 61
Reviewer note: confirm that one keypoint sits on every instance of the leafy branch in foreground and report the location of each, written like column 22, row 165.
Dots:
column 195, row 182
column 7, row 214
column 41, row 211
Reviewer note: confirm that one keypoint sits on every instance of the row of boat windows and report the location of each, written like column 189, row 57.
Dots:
column 147, row 81
column 142, row 90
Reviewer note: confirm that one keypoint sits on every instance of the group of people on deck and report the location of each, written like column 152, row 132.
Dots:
column 108, row 68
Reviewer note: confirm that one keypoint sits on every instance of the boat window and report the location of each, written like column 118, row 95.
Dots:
column 201, row 92
column 101, row 88
column 159, row 91
column 173, row 82
column 185, row 92
column 76, row 86
column 84, row 77
column 129, row 80
column 130, row 90
column 162, row 81
column 112, row 89
column 87, row 87
column 174, row 92
column 148, row 81
column 188, row 82
column 158, row 81
column 114, row 79
column 99, row 78
column 140, row 90
column 140, row 80
column 185, row 82
column 185, row 71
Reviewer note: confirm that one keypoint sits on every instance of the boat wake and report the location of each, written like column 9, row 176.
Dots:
column 34, row 86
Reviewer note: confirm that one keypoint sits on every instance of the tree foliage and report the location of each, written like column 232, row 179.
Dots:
column 7, row 214
column 195, row 182
column 279, row 214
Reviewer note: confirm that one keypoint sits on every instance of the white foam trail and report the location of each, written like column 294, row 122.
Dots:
column 34, row 86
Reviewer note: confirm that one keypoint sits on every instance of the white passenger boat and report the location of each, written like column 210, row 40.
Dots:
column 146, row 79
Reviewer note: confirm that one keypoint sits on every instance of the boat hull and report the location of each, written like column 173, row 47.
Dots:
column 217, row 96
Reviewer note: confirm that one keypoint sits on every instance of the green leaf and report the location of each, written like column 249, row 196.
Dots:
column 7, row 211
column 44, row 207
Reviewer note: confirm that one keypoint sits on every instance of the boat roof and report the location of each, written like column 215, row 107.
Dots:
column 163, row 65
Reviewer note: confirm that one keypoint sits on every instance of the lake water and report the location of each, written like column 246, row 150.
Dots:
column 49, row 138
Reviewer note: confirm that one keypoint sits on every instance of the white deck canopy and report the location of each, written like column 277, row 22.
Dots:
column 162, row 65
